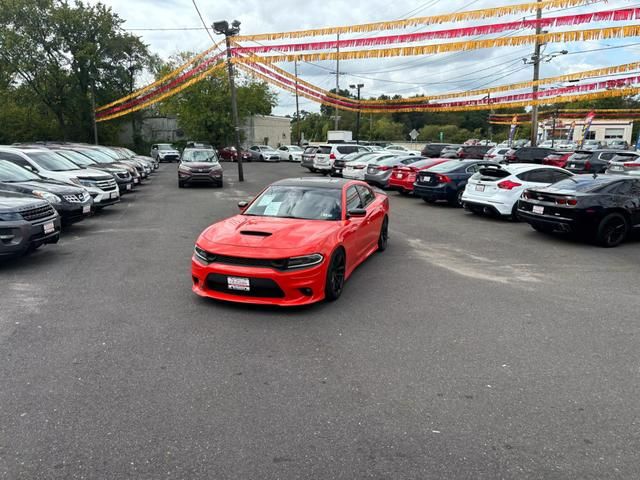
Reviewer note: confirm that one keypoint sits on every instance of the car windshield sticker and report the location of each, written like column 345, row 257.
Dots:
column 272, row 209
column 266, row 200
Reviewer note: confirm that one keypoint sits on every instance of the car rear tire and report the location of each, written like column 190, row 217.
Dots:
column 612, row 231
column 335, row 276
column 383, row 238
column 458, row 200
column 514, row 217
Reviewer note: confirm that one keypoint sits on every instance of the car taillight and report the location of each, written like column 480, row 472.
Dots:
column 332, row 156
column 572, row 202
column 462, row 155
column 383, row 168
column 561, row 201
column 632, row 165
column 587, row 165
column 442, row 178
column 525, row 194
column 509, row 185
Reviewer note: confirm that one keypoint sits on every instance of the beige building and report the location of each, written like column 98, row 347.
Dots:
column 603, row 130
column 267, row 130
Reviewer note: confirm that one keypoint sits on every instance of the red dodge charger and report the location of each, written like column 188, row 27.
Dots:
column 296, row 243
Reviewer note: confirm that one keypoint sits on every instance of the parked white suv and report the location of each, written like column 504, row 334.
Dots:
column 327, row 154
column 101, row 186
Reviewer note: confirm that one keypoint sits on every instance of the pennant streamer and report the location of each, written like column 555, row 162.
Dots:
column 549, row 22
column 160, row 81
column 554, row 37
column 412, row 22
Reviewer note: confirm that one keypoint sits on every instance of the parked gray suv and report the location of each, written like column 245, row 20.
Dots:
column 26, row 223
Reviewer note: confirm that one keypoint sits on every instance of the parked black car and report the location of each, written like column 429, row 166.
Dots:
column 26, row 223
column 600, row 207
column 433, row 150
column 528, row 155
column 73, row 204
column 589, row 161
column 446, row 181
column 199, row 165
column 378, row 174
column 473, row 151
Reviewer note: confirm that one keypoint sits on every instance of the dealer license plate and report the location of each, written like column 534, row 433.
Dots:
column 538, row 209
column 480, row 188
column 399, row 175
column 338, row 170
column 238, row 283
column 114, row 195
column 616, row 168
column 49, row 228
column 136, row 180
column 86, row 209
column 573, row 165
column 128, row 186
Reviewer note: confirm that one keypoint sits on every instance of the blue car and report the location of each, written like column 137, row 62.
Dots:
column 446, row 181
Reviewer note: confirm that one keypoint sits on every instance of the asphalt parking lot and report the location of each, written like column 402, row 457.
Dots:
column 471, row 348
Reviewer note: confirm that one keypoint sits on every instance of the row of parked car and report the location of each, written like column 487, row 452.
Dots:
column 45, row 186
column 581, row 196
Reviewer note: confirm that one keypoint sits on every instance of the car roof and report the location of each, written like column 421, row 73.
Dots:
column 332, row 183
column 23, row 149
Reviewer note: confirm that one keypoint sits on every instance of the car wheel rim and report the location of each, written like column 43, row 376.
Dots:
column 614, row 231
column 337, row 274
column 460, row 197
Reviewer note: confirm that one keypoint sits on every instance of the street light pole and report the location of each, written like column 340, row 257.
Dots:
column 536, row 77
column 357, row 87
column 222, row 27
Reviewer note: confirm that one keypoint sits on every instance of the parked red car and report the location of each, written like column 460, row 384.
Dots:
column 403, row 177
column 295, row 244
column 231, row 155
column 557, row 159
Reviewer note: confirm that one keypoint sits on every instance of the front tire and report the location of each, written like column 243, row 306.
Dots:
column 383, row 238
column 612, row 231
column 261, row 158
column 335, row 276
column 180, row 184
column 291, row 158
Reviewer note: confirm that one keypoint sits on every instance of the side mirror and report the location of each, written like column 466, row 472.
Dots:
column 242, row 205
column 31, row 168
column 357, row 212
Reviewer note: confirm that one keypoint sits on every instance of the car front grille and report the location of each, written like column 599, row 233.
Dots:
column 79, row 198
column 245, row 262
column 258, row 287
column 107, row 185
column 36, row 213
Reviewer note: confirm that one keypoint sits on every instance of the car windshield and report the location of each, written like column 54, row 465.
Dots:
column 310, row 150
column 294, row 148
column 111, row 153
column 96, row 156
column 10, row 172
column 581, row 156
column 76, row 157
column 200, row 156
column 51, row 161
column 309, row 203
column 446, row 166
column 165, row 146
column 355, row 156
column 324, row 150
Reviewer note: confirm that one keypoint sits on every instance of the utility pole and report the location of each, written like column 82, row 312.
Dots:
column 223, row 28
column 553, row 130
column 93, row 110
column 490, row 117
column 298, row 139
column 336, row 120
column 357, row 87
column 536, row 76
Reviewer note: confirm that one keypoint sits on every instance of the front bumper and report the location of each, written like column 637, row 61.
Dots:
column 202, row 178
column 19, row 236
column 73, row 212
column 270, row 287
column 103, row 198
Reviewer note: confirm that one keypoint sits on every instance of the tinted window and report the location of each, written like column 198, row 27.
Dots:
column 537, row 176
column 607, row 155
column 51, row 161
column 310, row 150
column 353, row 199
column 17, row 159
column 366, row 194
column 76, row 157
column 557, row 175
column 347, row 149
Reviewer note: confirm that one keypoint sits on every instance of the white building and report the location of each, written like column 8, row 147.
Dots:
column 603, row 130
column 266, row 130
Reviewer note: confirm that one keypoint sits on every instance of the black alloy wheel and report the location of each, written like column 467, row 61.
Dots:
column 383, row 239
column 612, row 231
column 291, row 158
column 261, row 158
column 335, row 276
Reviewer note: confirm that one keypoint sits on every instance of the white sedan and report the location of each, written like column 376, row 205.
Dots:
column 400, row 150
column 497, row 189
column 356, row 169
column 290, row 153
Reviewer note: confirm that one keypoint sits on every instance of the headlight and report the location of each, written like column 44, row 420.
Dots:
column 10, row 217
column 47, row 196
column 184, row 168
column 75, row 180
column 87, row 183
column 304, row 261
column 201, row 254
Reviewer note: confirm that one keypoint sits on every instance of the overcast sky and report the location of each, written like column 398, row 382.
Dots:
column 406, row 75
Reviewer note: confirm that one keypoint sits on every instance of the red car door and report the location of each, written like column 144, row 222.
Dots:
column 373, row 220
column 355, row 241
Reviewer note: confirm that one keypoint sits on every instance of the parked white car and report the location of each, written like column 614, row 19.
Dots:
column 625, row 163
column 264, row 153
column 496, row 189
column 496, row 154
column 101, row 186
column 326, row 155
column 400, row 150
column 290, row 153
column 356, row 169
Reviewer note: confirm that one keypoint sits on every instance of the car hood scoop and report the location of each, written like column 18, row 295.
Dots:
column 255, row 233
